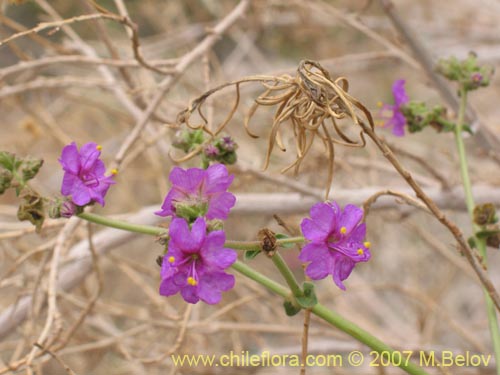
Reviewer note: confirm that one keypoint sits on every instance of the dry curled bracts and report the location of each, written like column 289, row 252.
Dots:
column 311, row 102
column 268, row 241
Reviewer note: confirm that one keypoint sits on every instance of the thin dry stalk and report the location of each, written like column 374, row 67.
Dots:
column 472, row 256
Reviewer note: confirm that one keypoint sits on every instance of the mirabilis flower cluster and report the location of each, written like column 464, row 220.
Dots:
column 196, row 260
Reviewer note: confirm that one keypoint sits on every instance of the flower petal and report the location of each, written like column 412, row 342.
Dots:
column 399, row 92
column 350, row 217
column 80, row 194
column 190, row 294
column 213, row 252
column 314, row 251
column 89, row 155
column 220, row 205
column 342, row 268
column 211, row 285
column 320, row 257
column 70, row 159
column 187, row 181
column 217, row 179
column 168, row 287
column 186, row 240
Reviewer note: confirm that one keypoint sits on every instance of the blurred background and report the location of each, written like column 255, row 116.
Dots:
column 98, row 79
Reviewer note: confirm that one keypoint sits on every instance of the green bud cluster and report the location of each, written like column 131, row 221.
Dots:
column 15, row 172
column 468, row 73
column 221, row 149
column 419, row 115
column 485, row 216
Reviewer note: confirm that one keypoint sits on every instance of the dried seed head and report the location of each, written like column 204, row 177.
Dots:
column 311, row 103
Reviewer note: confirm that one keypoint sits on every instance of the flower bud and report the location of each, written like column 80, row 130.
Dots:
column 30, row 167
column 468, row 73
column 190, row 211
column 186, row 140
column 484, row 214
column 5, row 180
column 31, row 208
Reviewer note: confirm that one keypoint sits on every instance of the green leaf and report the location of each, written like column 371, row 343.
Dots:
column 290, row 308
column 281, row 236
column 472, row 242
column 309, row 298
column 487, row 233
column 8, row 160
column 250, row 254
column 468, row 129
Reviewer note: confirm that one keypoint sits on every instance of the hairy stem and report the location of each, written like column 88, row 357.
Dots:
column 287, row 274
column 480, row 243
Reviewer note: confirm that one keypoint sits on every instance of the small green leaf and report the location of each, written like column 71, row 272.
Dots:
column 290, row 308
column 8, row 160
column 250, row 254
column 472, row 242
column 281, row 236
column 309, row 298
column 487, row 233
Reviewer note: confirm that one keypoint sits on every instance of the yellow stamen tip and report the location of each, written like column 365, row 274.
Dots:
column 360, row 252
column 343, row 230
column 171, row 259
column 99, row 147
column 114, row 171
column 191, row 281
column 367, row 244
column 380, row 104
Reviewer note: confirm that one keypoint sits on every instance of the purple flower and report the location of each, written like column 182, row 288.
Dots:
column 336, row 241
column 84, row 178
column 195, row 262
column 202, row 192
column 397, row 119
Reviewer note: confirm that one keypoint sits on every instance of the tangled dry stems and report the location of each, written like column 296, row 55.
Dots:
column 311, row 102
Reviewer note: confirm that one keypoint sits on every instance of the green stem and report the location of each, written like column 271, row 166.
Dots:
column 469, row 200
column 157, row 231
column 287, row 274
column 257, row 245
column 480, row 243
column 334, row 319
column 119, row 224
column 321, row 311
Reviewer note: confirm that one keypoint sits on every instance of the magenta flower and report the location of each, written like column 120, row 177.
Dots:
column 195, row 262
column 336, row 241
column 396, row 120
column 199, row 192
column 84, row 178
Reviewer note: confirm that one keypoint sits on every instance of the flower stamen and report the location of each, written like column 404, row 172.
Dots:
column 367, row 244
column 343, row 230
column 171, row 259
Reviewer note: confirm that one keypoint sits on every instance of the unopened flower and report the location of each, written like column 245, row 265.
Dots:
column 337, row 241
column 211, row 152
column 392, row 114
column 199, row 192
column 195, row 262
column 228, row 144
column 84, row 178
column 68, row 209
